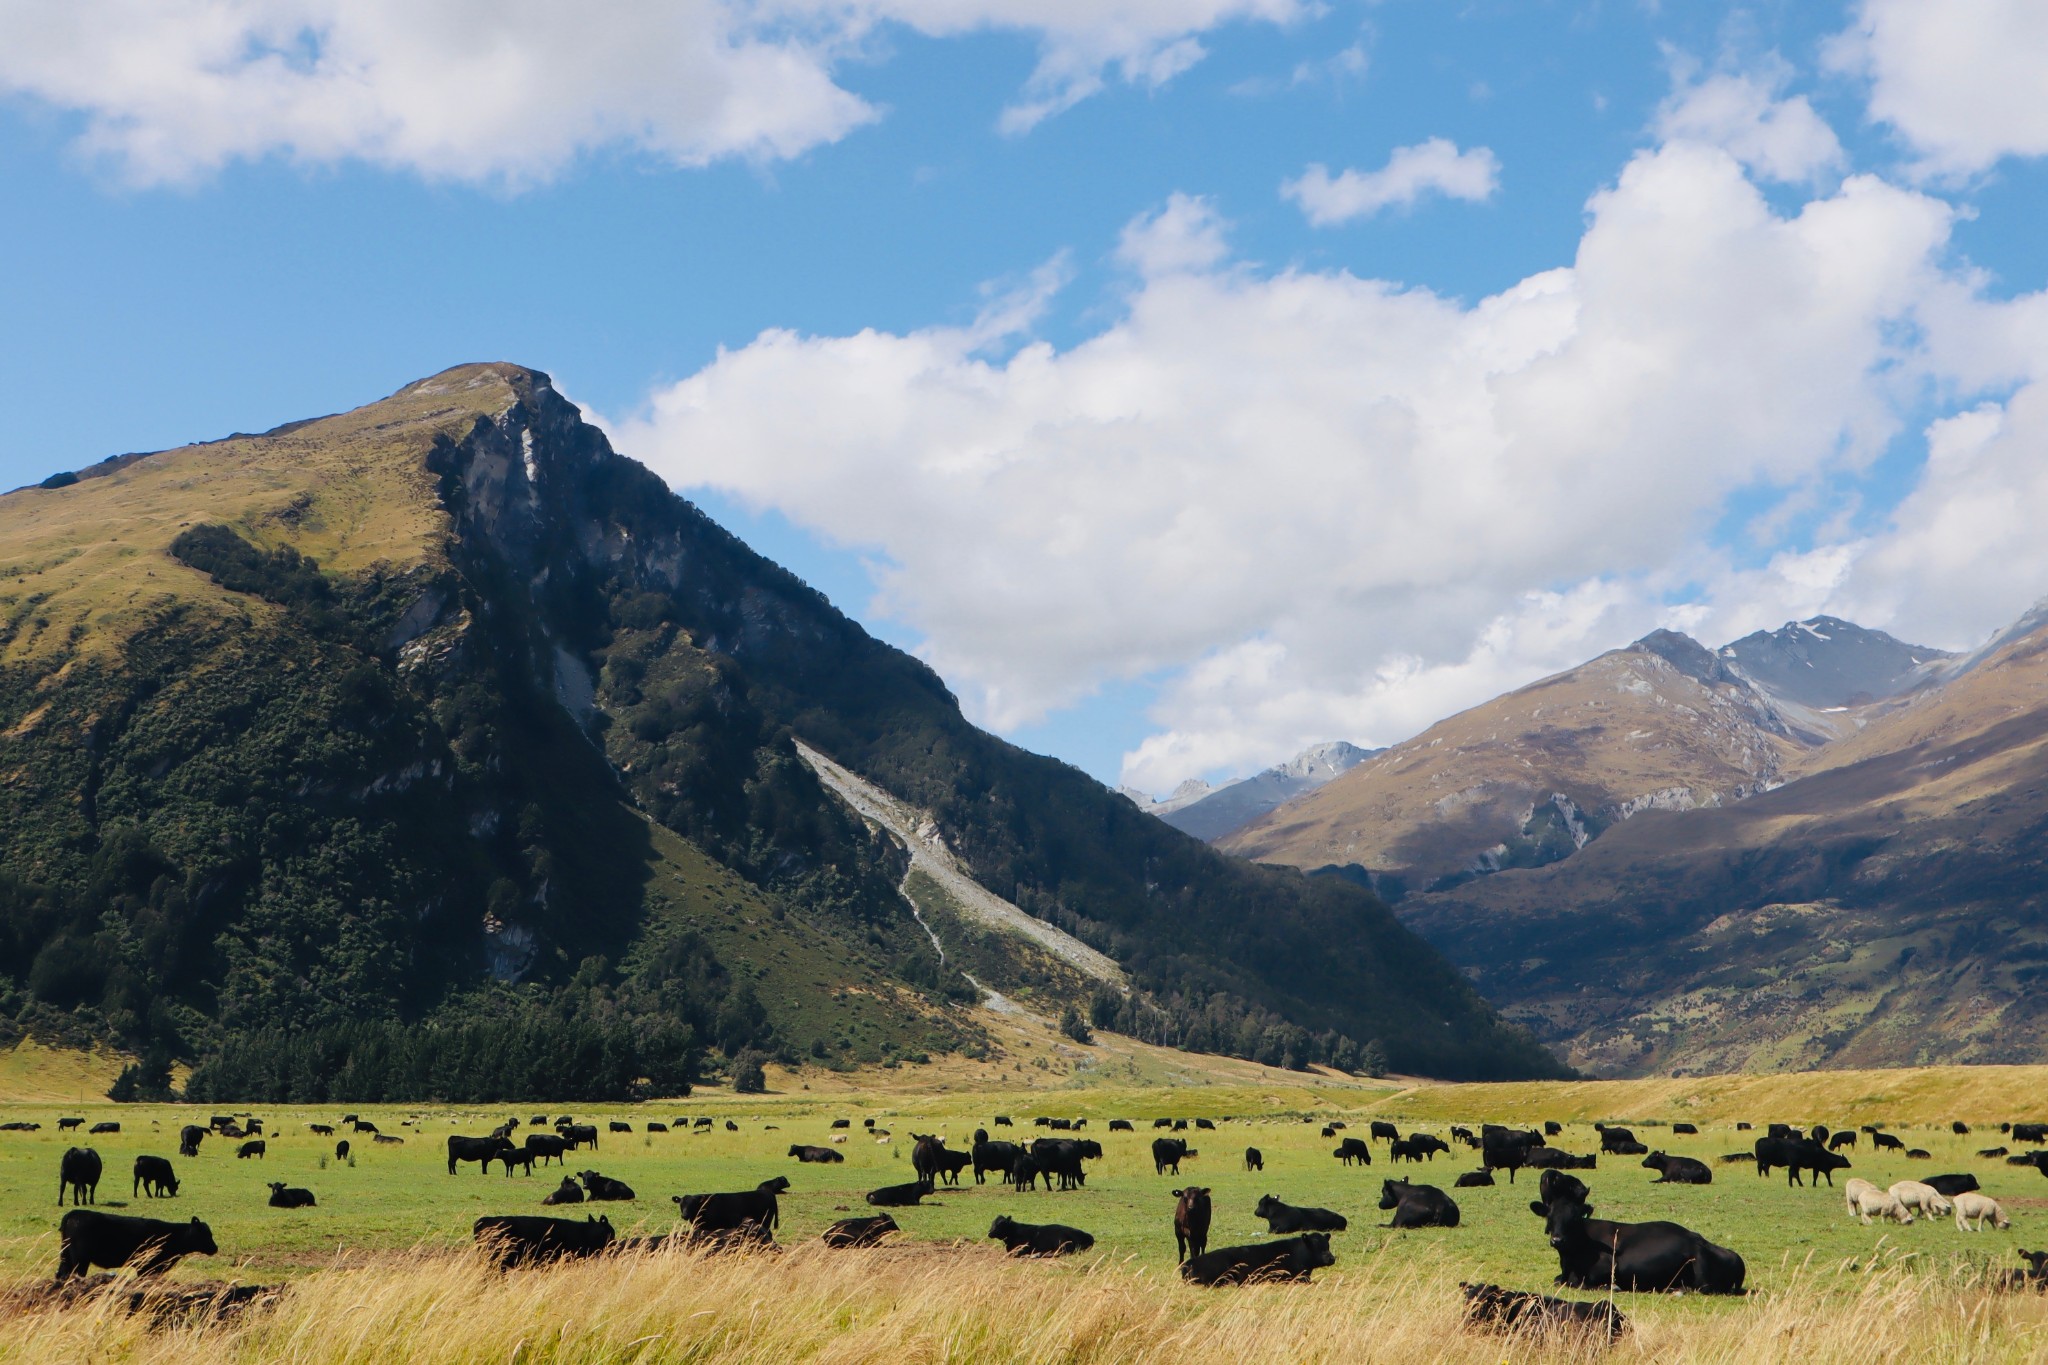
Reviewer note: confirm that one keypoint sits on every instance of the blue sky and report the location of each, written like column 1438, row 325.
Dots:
column 191, row 253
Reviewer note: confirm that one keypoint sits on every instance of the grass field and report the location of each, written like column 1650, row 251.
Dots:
column 392, row 1203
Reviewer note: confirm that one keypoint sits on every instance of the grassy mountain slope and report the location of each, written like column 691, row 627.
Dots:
column 350, row 721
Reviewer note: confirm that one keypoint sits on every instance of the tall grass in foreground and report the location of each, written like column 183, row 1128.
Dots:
column 929, row 1304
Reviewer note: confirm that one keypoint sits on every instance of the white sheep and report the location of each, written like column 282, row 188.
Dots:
column 1922, row 1198
column 1972, row 1205
column 1854, row 1190
column 1882, row 1204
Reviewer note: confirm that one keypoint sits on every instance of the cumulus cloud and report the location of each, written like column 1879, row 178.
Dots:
column 1432, row 167
column 512, row 90
column 1778, row 139
column 1321, row 505
column 1965, row 82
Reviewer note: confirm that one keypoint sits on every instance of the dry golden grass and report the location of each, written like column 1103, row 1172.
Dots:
column 966, row 1304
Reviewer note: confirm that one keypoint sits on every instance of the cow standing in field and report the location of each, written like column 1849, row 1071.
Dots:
column 512, row 1240
column 154, row 1177
column 257, row 1148
column 482, row 1150
column 88, row 1238
column 79, row 1173
column 1353, row 1149
column 189, row 1138
column 1191, row 1221
column 1168, row 1153
column 1254, row 1159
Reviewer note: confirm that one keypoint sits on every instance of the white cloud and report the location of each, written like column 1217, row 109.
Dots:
column 510, row 91
column 1965, row 82
column 1778, row 139
column 1432, row 167
column 1329, row 506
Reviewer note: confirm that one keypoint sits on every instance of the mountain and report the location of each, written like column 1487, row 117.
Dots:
column 1536, row 775
column 1213, row 814
column 1829, row 664
column 440, row 712
column 1186, row 794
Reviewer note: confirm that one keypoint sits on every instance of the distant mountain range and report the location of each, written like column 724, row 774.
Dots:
column 1209, row 813
column 1817, row 845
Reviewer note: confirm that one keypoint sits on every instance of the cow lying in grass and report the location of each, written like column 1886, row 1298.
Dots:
column 1515, row 1310
column 1595, row 1253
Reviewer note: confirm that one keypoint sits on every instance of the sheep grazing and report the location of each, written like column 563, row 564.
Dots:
column 1974, row 1207
column 1867, row 1201
column 1922, row 1198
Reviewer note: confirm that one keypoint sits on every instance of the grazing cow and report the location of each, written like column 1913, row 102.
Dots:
column 1952, row 1185
column 616, row 1127
column 1121, row 1126
column 1993, row 1151
column 1380, row 1129
column 283, row 1196
column 732, row 1211
column 1517, row 1310
column 1428, row 1145
column 1959, row 1128
column 1352, row 1150
column 66, row 1125
column 1798, row 1154
column 848, row 1123
column 655, row 1126
column 859, row 1232
column 1594, row 1253
column 1464, row 1135
column 1745, row 1127
column 1209, row 1124
column 1168, row 1153
column 1845, row 1138
column 1921, row 1198
column 1552, row 1128
column 1468, row 1180
column 1038, row 1239
column 220, row 1122
column 602, row 1187
column 1162, row 1123
column 993, row 1156
column 1972, row 1207
column 321, row 1129
column 515, row 1239
column 1002, row 1121
column 105, row 1126
column 1191, row 1221
column 568, row 1192
column 1291, row 1259
column 1885, row 1142
column 1693, row 1129
column 1254, row 1159
column 79, row 1175
column 899, row 1196
column 1327, row 1131
column 482, row 1150
column 2030, row 1132
column 189, row 1138
column 341, row 1150
column 1730, row 1158
column 1287, row 1218
column 88, row 1238
column 1866, row 1201
column 153, row 1175
column 1417, row 1206
column 731, row 1127
column 1678, row 1170
column 1180, row 1125
column 365, row 1126
column 700, row 1123
column 820, row 1155
column 1339, row 1124
column 1404, row 1150
column 521, row 1157
column 575, row 1135
column 538, row 1121
column 952, row 1163
column 254, row 1148
column 542, row 1147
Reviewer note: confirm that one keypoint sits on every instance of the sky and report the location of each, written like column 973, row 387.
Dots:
column 1188, row 381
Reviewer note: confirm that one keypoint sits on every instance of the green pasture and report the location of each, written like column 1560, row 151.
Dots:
column 397, row 1197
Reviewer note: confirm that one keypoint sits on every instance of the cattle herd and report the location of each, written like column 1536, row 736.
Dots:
column 1592, row 1254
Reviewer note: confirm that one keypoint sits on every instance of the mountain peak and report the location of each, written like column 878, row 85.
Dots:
column 1828, row 663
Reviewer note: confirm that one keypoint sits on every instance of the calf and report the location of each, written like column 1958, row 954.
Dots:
column 1168, row 1153
column 568, row 1192
column 1254, row 1159
column 1973, row 1207
column 859, row 1232
column 597, row 1188
column 521, row 1157
column 286, row 1197
column 482, row 1150
column 1287, row 1218
column 738, row 1209
column 1292, row 1259
column 153, row 1176
column 1353, row 1149
column 79, row 1175
column 1678, row 1170
column 1417, row 1206
column 950, row 1164
column 1191, row 1221
column 900, row 1196
column 1473, row 1179
column 88, row 1238
column 1516, row 1310
column 1594, row 1253
column 1039, row 1239
column 1885, row 1142
column 818, row 1155
column 256, row 1148
column 512, row 1239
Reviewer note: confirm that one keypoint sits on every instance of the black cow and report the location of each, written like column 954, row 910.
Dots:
column 824, row 1156
column 1352, row 1150
column 2035, row 1276
column 1819, row 1132
column 1210, row 1124
column 154, row 1176
column 189, row 1138
column 1885, row 1142
column 518, row 1239
column 341, row 1150
column 387, row 1140
column 255, row 1148
column 950, row 1164
column 1678, row 1170
column 1473, row 1179
column 1556, row 1185
column 1380, row 1130
column 1062, row 1158
column 1162, row 1123
column 321, row 1129
column 899, row 1196
column 88, row 1238
column 1291, row 1259
column 1552, row 1128
column 2030, row 1132
column 287, row 1197
column 575, row 1135
column 66, row 1125
column 1191, row 1221
column 1039, row 1239
column 544, row 1147
column 365, row 1126
column 1327, row 1131
column 1594, row 1253
column 1949, row 1186
column 1254, row 1159
column 993, row 1156
column 1024, row 1173
column 1558, row 1159
column 1993, row 1151
column 1287, row 1218
column 1959, row 1128
column 1001, row 1121
column 924, row 1155
column 1121, row 1126
column 1418, row 1206
column 617, row 1127
column 1611, row 1138
column 1517, row 1310
column 848, row 1123
column 1403, row 1150
column 482, row 1150
column 1506, row 1149
column 1464, row 1135
column 568, row 1192
column 1429, row 1144
column 1685, row 1128
column 1745, row 1127
column 598, row 1188
column 1796, row 1155
column 656, row 1126
column 1919, row 1154
column 105, row 1126
column 1168, row 1153
column 522, row 1157
column 859, row 1232
column 736, row 1210
column 1845, row 1138
column 79, row 1175
column 701, row 1123
column 1180, row 1125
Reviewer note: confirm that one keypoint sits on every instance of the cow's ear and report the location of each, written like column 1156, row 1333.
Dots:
column 1539, row 1208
